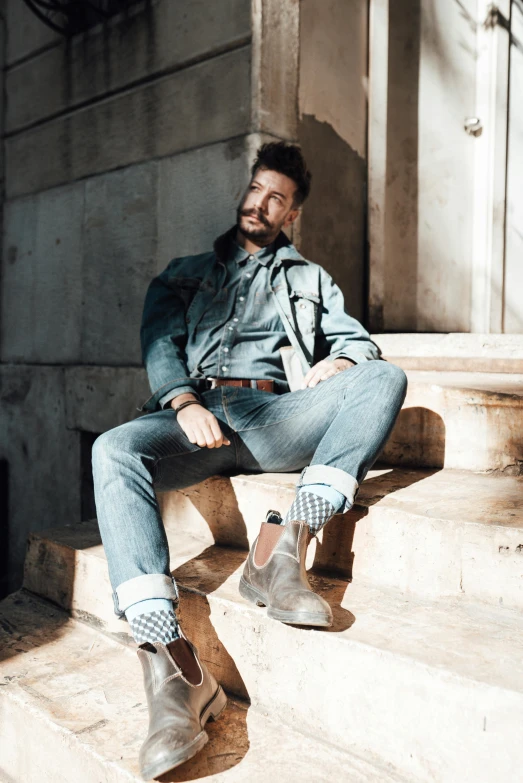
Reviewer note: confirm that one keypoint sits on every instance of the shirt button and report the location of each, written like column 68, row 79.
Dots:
column 248, row 274
column 251, row 258
column 242, row 299
column 230, row 328
column 226, row 350
column 303, row 306
column 235, row 320
column 225, row 369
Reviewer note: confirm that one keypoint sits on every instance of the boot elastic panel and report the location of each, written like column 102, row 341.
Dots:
column 267, row 540
column 184, row 658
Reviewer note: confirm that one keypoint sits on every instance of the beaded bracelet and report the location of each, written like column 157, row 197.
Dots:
column 185, row 404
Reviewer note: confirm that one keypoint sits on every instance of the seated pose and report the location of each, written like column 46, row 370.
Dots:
column 254, row 366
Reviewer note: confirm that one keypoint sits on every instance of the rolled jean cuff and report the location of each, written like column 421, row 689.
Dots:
column 143, row 587
column 333, row 477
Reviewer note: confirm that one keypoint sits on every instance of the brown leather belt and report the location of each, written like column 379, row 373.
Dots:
column 244, row 383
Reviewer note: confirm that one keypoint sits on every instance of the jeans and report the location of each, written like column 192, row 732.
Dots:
column 334, row 432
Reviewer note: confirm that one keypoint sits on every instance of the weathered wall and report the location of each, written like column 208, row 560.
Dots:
column 425, row 279
column 332, row 131
column 125, row 146
column 513, row 305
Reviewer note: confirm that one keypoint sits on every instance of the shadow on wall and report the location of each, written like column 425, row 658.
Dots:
column 333, row 222
column 417, row 440
column 4, row 527
column 399, row 309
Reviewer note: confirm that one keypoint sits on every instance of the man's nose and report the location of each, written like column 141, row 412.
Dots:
column 261, row 201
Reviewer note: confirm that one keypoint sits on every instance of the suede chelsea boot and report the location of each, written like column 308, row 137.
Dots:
column 275, row 576
column 182, row 696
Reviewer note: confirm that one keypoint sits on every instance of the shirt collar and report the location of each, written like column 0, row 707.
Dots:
column 264, row 256
column 280, row 250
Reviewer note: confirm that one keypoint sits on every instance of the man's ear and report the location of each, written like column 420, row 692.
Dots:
column 291, row 217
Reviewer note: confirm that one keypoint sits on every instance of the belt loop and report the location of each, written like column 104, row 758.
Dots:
column 254, row 384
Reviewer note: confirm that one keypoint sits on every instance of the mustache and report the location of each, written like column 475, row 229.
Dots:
column 254, row 213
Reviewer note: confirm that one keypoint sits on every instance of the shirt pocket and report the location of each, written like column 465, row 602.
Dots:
column 306, row 304
column 261, row 313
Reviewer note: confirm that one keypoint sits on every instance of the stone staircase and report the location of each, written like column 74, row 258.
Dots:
column 420, row 678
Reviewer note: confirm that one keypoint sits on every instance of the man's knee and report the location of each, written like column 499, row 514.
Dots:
column 389, row 379
column 112, row 444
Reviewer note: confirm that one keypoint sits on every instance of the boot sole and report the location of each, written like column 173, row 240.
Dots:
column 316, row 619
column 212, row 711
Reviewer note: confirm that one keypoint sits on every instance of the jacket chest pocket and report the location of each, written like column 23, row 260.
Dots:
column 215, row 306
column 185, row 288
column 305, row 305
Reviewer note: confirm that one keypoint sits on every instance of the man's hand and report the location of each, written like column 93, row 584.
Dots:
column 323, row 370
column 200, row 425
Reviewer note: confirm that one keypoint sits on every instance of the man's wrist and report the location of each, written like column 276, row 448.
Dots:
column 181, row 398
column 343, row 362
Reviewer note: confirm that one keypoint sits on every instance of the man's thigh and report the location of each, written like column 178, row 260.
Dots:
column 282, row 434
column 158, row 442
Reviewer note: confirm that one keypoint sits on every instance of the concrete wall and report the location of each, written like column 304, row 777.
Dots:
column 513, row 306
column 332, row 131
column 429, row 199
column 125, row 146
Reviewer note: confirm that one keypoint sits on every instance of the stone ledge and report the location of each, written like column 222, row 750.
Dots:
column 488, row 353
column 72, row 704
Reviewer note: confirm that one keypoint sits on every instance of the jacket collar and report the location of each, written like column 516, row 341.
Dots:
column 284, row 250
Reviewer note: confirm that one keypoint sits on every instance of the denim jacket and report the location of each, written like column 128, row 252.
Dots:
column 308, row 301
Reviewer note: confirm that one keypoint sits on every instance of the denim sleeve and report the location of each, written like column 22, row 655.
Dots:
column 339, row 334
column 165, row 401
column 164, row 338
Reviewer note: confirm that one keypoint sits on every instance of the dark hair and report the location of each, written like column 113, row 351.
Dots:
column 285, row 159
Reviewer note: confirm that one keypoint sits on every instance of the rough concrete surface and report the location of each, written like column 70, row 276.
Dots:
column 120, row 240
column 487, row 353
column 42, row 277
column 41, row 458
column 27, row 34
column 436, row 688
column 76, row 699
column 275, row 67
column 202, row 104
column 151, row 39
column 469, row 421
column 429, row 534
column 100, row 398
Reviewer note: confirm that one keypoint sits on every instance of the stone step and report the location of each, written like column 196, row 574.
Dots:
column 462, row 420
column 488, row 353
column 435, row 688
column 429, row 533
column 72, row 709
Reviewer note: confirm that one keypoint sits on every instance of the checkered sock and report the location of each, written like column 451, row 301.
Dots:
column 315, row 504
column 153, row 621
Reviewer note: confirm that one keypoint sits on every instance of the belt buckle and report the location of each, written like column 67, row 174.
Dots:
column 212, row 381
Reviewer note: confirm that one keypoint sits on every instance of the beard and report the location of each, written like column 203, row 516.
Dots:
column 263, row 232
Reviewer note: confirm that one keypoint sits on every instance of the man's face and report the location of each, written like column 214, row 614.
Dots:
column 267, row 207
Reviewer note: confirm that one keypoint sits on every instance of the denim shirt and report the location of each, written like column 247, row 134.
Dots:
column 203, row 317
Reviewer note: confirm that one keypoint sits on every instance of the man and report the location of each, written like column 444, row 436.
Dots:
column 218, row 331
